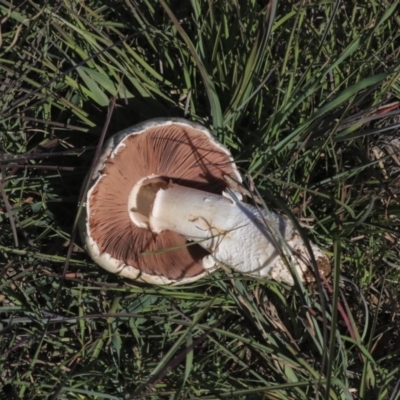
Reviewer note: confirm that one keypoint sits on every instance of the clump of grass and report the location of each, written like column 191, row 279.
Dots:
column 306, row 97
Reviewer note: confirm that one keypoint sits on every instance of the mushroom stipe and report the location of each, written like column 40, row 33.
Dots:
column 159, row 210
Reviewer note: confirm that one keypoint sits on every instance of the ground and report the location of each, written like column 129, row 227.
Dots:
column 305, row 95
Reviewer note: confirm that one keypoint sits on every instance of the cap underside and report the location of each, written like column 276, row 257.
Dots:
column 175, row 152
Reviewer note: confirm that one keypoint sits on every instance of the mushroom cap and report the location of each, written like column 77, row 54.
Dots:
column 174, row 149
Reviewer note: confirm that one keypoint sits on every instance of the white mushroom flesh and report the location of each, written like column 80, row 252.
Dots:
column 250, row 240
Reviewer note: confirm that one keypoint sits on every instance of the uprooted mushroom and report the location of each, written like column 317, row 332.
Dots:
column 159, row 210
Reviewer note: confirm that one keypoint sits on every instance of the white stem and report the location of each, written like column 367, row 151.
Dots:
column 247, row 239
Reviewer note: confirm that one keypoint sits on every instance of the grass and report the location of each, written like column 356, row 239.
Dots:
column 305, row 95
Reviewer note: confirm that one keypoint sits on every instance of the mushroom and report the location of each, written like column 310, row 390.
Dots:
column 159, row 210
